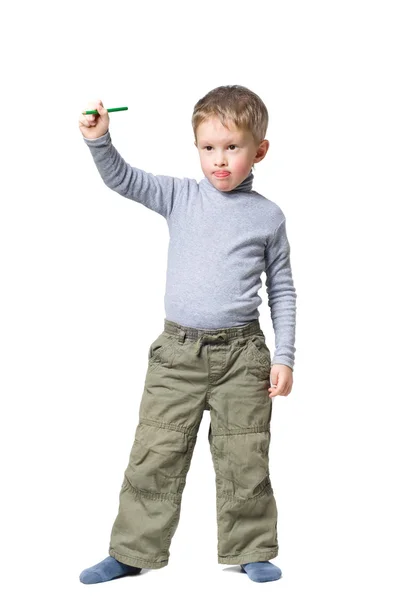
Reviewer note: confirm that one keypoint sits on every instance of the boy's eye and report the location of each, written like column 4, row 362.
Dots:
column 230, row 146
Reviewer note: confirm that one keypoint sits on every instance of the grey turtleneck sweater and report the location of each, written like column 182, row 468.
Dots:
column 220, row 244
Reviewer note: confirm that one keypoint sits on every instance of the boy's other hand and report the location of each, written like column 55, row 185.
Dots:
column 93, row 126
column 281, row 376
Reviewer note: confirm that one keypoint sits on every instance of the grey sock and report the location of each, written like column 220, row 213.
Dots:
column 107, row 569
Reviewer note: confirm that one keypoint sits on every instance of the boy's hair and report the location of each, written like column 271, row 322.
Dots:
column 237, row 104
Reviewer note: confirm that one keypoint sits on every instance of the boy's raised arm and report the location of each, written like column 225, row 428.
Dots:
column 281, row 295
column 157, row 192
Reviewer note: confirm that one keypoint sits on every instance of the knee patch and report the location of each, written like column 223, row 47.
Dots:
column 241, row 462
column 159, row 459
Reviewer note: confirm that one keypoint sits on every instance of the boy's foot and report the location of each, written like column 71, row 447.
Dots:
column 261, row 571
column 107, row 569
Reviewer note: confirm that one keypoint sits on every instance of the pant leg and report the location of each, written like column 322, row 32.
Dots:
column 170, row 413
column 239, row 437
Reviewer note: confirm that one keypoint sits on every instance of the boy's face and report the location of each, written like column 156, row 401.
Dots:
column 227, row 149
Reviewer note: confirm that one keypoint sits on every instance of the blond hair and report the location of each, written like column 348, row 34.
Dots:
column 237, row 104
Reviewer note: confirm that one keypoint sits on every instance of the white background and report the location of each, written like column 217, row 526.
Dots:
column 83, row 280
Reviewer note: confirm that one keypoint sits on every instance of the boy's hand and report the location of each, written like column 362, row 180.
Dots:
column 93, row 126
column 281, row 375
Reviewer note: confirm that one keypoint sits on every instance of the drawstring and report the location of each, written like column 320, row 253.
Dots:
column 208, row 337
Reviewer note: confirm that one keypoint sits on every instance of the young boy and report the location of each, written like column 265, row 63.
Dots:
column 212, row 354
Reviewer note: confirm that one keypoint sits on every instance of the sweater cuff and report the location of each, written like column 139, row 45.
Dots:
column 103, row 140
column 283, row 361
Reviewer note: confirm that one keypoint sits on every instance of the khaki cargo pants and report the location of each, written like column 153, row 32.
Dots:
column 227, row 372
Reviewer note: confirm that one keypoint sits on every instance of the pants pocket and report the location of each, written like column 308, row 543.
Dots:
column 164, row 350
column 158, row 349
column 259, row 355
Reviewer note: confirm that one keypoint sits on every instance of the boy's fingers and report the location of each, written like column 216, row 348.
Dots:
column 101, row 110
column 278, row 390
column 84, row 121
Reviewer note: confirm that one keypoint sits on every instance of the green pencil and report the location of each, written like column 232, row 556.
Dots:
column 95, row 112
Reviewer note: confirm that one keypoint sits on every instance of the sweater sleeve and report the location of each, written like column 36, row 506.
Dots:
column 281, row 295
column 156, row 192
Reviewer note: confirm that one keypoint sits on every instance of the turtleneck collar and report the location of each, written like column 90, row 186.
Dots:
column 244, row 186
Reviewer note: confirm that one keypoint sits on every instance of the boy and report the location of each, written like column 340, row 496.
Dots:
column 212, row 354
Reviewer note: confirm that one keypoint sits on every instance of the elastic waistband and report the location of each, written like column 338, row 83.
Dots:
column 228, row 333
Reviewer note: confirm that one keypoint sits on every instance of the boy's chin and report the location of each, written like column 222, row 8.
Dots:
column 225, row 188
column 222, row 184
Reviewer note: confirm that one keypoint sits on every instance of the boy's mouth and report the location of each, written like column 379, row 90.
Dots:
column 221, row 174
